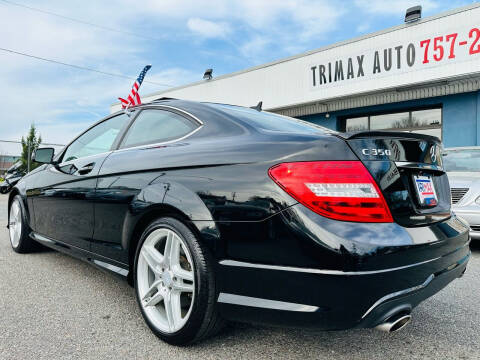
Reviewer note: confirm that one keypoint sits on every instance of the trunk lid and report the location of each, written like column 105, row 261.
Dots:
column 409, row 171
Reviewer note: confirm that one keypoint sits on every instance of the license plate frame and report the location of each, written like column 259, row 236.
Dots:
column 425, row 189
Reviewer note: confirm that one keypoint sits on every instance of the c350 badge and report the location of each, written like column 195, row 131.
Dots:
column 376, row 152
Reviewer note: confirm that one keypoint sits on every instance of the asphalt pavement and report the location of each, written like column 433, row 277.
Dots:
column 55, row 307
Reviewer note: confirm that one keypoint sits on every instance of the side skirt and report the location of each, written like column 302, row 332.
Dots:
column 101, row 262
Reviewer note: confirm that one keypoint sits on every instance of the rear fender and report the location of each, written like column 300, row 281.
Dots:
column 192, row 206
column 169, row 199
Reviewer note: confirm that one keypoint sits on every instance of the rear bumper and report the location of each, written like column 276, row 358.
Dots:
column 407, row 299
column 362, row 295
column 328, row 302
column 473, row 218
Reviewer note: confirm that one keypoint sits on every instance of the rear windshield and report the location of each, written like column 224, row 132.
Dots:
column 461, row 160
column 272, row 122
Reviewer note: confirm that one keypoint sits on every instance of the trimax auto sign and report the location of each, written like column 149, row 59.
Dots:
column 353, row 67
column 429, row 53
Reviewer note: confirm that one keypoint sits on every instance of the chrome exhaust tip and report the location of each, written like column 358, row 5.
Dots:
column 395, row 323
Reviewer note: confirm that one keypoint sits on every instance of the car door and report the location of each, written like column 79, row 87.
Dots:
column 131, row 168
column 63, row 193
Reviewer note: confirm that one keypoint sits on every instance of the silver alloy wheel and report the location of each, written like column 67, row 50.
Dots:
column 165, row 280
column 15, row 223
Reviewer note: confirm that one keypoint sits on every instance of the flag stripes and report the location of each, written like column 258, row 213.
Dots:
column 133, row 98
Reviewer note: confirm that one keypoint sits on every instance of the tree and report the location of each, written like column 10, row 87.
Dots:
column 407, row 122
column 32, row 141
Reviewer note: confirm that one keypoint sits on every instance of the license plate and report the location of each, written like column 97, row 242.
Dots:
column 425, row 190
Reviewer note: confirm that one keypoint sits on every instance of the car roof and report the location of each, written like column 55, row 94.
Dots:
column 193, row 107
column 228, row 122
column 171, row 101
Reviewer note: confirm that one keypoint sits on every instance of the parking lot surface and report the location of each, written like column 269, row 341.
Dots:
column 55, row 307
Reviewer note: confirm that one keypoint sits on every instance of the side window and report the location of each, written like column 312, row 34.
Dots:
column 155, row 126
column 98, row 139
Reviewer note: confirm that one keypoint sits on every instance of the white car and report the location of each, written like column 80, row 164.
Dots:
column 463, row 168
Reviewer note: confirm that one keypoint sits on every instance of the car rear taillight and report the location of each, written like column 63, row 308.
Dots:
column 340, row 190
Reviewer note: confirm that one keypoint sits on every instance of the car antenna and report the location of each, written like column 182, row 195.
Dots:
column 257, row 107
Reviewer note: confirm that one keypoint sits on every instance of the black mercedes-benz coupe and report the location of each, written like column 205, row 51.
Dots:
column 216, row 212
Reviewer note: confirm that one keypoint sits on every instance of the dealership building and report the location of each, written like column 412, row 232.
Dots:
column 422, row 76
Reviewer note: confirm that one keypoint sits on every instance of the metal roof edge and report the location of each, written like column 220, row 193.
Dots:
column 394, row 94
column 413, row 86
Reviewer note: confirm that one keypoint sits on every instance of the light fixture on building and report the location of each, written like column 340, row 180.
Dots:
column 413, row 14
column 208, row 74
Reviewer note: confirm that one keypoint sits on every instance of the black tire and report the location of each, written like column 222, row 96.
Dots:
column 25, row 243
column 204, row 320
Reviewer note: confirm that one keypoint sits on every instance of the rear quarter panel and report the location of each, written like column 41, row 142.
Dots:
column 215, row 183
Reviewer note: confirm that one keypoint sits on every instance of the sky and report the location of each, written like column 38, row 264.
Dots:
column 180, row 38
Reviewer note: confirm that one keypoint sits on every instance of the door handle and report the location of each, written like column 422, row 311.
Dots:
column 86, row 169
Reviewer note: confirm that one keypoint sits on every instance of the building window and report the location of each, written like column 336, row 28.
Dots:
column 357, row 124
column 425, row 121
column 390, row 121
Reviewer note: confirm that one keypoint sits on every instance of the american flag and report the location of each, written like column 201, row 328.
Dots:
column 134, row 98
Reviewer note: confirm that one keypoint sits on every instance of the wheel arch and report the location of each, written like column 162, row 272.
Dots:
column 14, row 192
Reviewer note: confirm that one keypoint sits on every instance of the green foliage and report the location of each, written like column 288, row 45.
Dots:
column 34, row 141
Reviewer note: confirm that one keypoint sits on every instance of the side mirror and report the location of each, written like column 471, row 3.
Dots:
column 44, row 155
